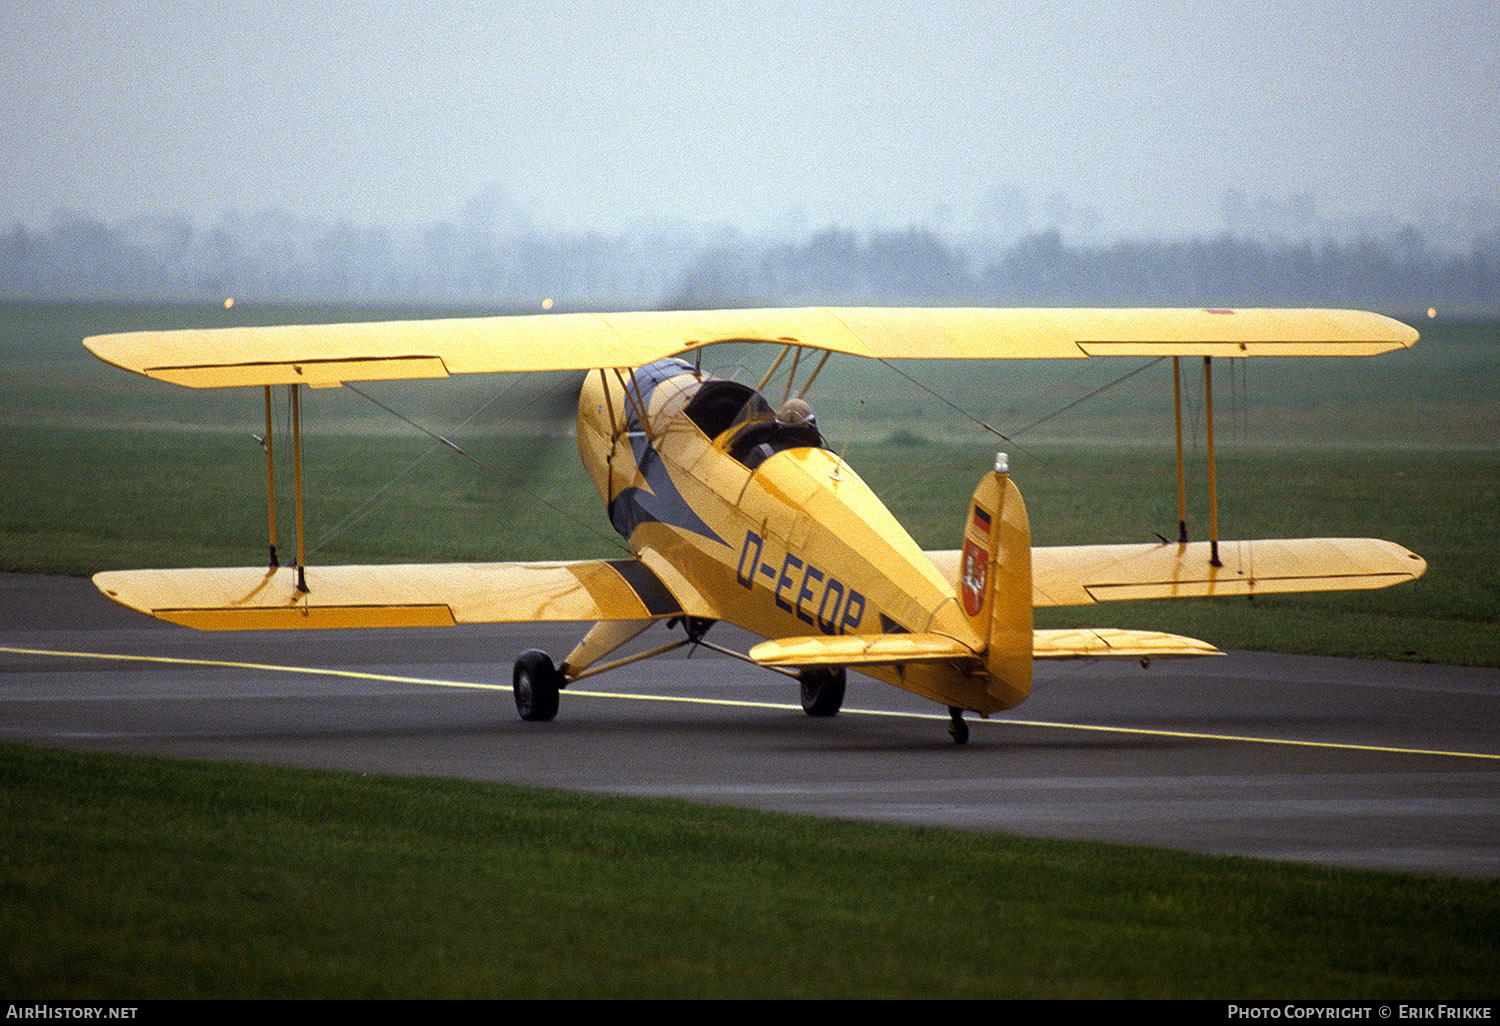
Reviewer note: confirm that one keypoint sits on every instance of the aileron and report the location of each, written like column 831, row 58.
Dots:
column 315, row 373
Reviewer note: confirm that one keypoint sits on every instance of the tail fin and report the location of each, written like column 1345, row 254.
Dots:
column 995, row 581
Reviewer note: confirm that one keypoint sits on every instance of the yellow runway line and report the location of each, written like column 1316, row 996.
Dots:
column 743, row 704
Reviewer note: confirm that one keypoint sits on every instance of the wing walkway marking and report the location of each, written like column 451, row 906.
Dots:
column 741, row 703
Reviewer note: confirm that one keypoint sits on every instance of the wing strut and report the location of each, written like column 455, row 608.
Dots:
column 1213, row 481
column 270, row 479
column 1181, row 483
column 295, row 391
column 633, row 397
column 811, row 377
column 791, row 375
column 766, row 377
column 1213, row 487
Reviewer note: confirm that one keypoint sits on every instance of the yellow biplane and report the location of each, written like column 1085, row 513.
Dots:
column 736, row 510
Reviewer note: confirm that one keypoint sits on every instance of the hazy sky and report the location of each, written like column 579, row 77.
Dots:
column 597, row 114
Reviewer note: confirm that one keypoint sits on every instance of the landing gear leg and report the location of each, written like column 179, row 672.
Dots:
column 957, row 728
column 536, row 682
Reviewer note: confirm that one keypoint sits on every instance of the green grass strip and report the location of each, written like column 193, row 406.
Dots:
column 127, row 877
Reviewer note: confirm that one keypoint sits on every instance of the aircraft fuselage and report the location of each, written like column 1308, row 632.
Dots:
column 722, row 499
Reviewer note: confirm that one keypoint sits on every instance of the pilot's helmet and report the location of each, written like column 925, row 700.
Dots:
column 795, row 412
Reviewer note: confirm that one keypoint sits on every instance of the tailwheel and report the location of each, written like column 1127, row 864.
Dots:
column 957, row 728
column 537, row 683
column 822, row 691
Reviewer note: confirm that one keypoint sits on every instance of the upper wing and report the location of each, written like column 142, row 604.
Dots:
column 397, row 596
column 329, row 354
column 1080, row 575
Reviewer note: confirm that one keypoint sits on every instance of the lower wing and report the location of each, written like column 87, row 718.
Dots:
column 396, row 595
column 1080, row 575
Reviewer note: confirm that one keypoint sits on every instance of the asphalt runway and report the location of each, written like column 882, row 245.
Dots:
column 1378, row 765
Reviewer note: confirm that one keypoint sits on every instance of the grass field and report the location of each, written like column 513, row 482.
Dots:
column 129, row 877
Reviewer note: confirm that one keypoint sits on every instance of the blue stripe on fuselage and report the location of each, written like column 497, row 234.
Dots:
column 660, row 501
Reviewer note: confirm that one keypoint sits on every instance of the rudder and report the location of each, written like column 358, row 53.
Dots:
column 994, row 582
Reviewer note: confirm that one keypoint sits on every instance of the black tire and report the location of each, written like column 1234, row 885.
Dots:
column 536, row 682
column 822, row 691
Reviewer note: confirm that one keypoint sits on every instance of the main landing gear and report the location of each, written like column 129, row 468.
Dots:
column 538, row 682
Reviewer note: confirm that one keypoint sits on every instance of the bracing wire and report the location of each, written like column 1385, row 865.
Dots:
column 1035, row 423
column 441, row 442
column 372, row 500
column 946, row 401
column 1085, row 398
column 1012, row 436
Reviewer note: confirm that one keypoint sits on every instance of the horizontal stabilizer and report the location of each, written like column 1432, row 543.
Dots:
column 893, row 649
column 394, row 596
column 859, row 650
column 1114, row 643
column 1080, row 575
column 329, row 354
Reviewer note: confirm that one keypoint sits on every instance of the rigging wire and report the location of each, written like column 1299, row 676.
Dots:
column 1085, row 398
column 1013, row 435
column 1040, row 420
column 441, row 442
column 945, row 400
column 373, row 499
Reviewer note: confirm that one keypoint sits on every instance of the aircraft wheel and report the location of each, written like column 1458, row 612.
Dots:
column 822, row 691
column 537, row 683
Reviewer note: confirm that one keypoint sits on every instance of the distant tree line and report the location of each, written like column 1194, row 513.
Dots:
column 276, row 257
column 916, row 265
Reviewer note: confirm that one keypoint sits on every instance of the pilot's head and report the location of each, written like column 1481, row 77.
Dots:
column 795, row 412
